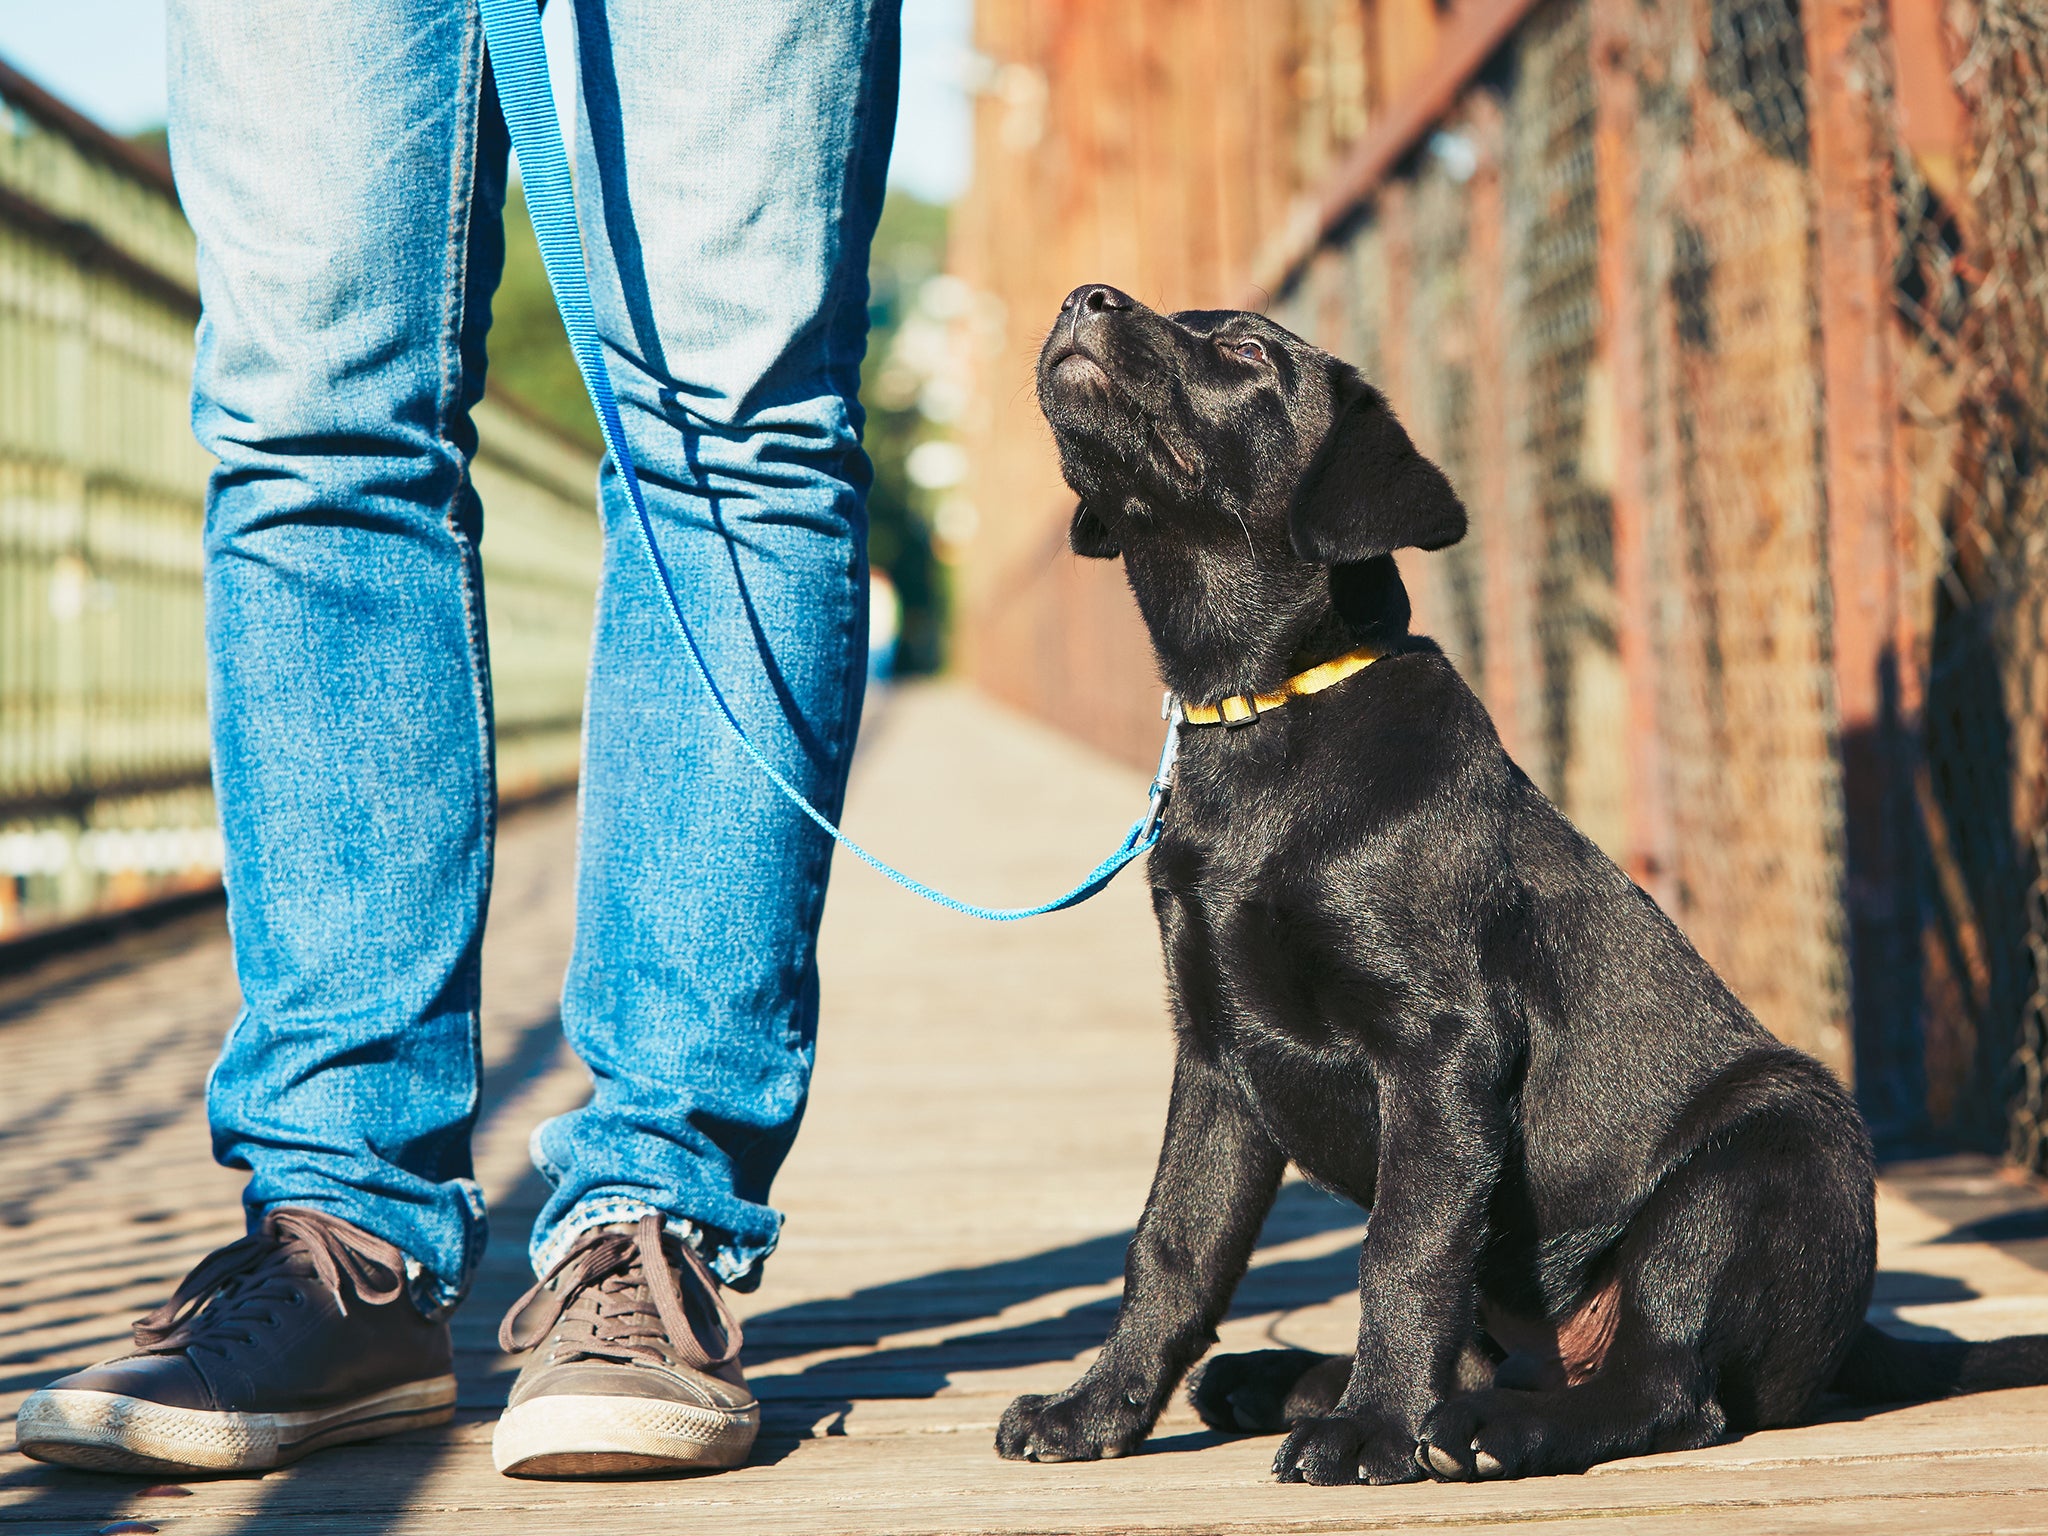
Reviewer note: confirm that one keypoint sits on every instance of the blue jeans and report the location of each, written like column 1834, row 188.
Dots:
column 344, row 165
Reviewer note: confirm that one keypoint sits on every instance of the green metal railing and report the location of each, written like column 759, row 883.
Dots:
column 105, row 799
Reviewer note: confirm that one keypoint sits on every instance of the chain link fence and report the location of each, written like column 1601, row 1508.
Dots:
column 1972, row 294
column 1734, row 504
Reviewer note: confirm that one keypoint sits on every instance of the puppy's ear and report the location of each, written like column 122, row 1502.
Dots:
column 1089, row 536
column 1367, row 491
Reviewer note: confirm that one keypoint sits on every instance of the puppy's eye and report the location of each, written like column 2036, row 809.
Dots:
column 1249, row 350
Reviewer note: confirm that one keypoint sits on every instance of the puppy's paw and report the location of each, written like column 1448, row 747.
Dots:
column 1266, row 1391
column 1083, row 1423
column 1480, row 1436
column 1342, row 1448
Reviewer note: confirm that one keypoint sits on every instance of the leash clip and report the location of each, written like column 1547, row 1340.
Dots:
column 1162, row 778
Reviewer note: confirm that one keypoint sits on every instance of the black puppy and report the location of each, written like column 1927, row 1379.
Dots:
column 1610, row 1213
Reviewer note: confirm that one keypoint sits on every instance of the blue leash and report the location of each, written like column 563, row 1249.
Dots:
column 519, row 63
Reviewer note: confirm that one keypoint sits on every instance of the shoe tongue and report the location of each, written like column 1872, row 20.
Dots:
column 288, row 1258
column 616, row 1309
column 619, row 1306
column 629, row 1267
column 629, row 1231
column 337, row 1254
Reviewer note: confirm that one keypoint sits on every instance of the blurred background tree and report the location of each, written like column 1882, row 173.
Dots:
column 911, row 399
column 906, row 387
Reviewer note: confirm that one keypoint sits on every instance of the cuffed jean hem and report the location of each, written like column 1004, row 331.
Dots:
column 735, row 1265
column 435, row 1293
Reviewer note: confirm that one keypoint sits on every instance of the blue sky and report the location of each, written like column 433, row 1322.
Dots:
column 106, row 57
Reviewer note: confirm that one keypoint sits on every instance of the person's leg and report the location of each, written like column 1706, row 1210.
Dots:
column 344, row 169
column 731, row 162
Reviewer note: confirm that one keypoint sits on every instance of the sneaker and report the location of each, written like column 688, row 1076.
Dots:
column 297, row 1336
column 635, row 1364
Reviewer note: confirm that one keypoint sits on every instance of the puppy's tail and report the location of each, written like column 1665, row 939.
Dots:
column 1884, row 1369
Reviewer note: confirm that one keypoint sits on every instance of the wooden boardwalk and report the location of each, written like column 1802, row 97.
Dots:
column 987, row 1106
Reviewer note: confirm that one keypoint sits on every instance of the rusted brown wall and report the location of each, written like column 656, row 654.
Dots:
column 1729, row 318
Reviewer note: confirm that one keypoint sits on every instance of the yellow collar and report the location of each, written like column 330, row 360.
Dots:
column 1244, row 708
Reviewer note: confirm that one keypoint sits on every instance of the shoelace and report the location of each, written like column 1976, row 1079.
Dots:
column 603, row 1285
column 235, row 1286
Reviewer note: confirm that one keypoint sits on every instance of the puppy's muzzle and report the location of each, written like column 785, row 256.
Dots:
column 1082, row 313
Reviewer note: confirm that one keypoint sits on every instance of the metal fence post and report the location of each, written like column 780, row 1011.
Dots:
column 1648, row 852
column 1854, row 219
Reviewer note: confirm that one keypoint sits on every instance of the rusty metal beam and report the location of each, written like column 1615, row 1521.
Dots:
column 1650, row 850
column 1471, row 37
column 1851, row 186
column 1933, row 123
column 1505, row 561
column 1854, row 223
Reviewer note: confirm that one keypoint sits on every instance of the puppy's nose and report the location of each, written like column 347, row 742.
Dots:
column 1095, row 296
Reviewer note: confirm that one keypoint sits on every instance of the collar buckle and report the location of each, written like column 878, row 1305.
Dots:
column 1239, row 709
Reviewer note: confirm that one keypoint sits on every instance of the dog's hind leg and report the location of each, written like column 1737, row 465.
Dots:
column 1737, row 1289
column 1269, row 1391
column 1266, row 1391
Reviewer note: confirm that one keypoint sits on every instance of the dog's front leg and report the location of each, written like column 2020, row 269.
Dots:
column 1442, row 1133
column 1216, row 1180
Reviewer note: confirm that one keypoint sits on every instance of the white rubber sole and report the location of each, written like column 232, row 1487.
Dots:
column 562, row 1435
column 106, row 1432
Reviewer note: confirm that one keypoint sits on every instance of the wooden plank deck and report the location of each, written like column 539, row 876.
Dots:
column 986, row 1112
